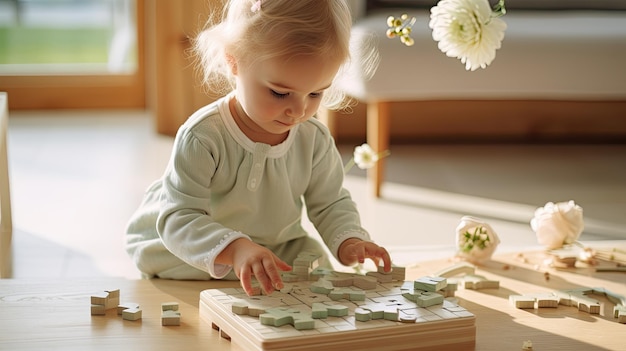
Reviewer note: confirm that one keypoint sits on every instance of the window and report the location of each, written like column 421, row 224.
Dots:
column 72, row 53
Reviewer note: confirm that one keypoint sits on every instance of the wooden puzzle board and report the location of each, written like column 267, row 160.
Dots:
column 444, row 326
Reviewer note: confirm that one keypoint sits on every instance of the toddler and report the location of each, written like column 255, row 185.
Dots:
column 242, row 169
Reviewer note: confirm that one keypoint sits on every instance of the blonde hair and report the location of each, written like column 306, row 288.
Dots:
column 252, row 30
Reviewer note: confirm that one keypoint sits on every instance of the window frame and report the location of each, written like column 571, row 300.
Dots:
column 81, row 91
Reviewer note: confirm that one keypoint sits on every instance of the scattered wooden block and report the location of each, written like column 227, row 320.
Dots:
column 98, row 310
column 521, row 301
column 527, row 345
column 170, row 314
column 126, row 305
column 113, row 299
column 170, row 317
column 169, row 306
column 477, row 282
column 619, row 312
column 131, row 314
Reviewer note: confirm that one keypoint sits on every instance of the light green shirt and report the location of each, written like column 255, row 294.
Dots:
column 219, row 186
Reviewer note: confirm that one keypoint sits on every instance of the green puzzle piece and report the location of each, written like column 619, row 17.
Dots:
column 280, row 316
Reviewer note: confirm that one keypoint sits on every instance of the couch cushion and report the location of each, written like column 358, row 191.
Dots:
column 513, row 4
column 546, row 55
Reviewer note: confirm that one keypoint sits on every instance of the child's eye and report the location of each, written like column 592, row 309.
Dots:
column 278, row 95
column 316, row 95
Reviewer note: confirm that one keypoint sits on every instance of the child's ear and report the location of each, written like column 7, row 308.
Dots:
column 232, row 63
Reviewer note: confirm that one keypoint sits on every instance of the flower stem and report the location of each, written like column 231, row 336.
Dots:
column 348, row 166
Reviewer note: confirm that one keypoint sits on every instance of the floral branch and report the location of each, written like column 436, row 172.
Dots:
column 469, row 30
column 364, row 157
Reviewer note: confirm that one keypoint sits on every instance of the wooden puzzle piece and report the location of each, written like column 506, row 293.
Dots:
column 578, row 298
column 544, row 300
column 614, row 298
column 113, row 299
column 280, row 316
column 373, row 311
column 477, row 282
column 619, row 312
column 423, row 298
column 450, row 289
column 170, row 318
column 126, row 305
column 322, row 286
column 103, row 301
column 131, row 314
column 430, row 283
column 348, row 293
column 527, row 345
column 321, row 310
column 254, row 306
column 170, row 314
column 169, row 306
column 129, row 311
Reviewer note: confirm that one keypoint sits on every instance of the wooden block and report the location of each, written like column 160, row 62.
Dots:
column 352, row 294
column 380, row 277
column 113, row 299
column 619, row 311
column 450, row 289
column 521, row 301
column 170, row 318
column 100, row 298
column 126, row 305
column 527, row 345
column 98, row 310
column 430, row 283
column 547, row 301
column 131, row 314
column 169, row 306
column 280, row 316
column 322, row 286
column 322, row 310
column 477, row 282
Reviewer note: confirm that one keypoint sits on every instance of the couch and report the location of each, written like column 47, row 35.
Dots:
column 566, row 51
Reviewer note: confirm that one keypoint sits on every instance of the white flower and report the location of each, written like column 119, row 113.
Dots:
column 558, row 224
column 365, row 157
column 476, row 241
column 468, row 30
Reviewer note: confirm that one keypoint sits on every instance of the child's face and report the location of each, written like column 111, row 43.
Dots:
column 277, row 94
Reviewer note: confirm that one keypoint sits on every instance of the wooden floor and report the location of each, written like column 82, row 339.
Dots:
column 76, row 178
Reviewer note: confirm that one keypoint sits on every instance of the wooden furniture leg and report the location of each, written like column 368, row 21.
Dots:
column 378, row 120
column 6, row 226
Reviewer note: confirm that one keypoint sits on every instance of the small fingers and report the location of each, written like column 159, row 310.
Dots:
column 275, row 281
column 245, row 279
column 260, row 273
column 377, row 253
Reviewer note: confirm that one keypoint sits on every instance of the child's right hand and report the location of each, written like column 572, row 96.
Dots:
column 249, row 259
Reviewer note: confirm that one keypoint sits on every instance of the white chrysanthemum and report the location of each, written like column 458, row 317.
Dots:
column 365, row 157
column 467, row 30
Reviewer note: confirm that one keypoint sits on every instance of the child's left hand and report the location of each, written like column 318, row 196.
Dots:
column 356, row 250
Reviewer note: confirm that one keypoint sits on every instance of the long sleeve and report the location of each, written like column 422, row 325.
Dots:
column 329, row 205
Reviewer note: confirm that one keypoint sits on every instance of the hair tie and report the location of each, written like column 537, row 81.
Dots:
column 256, row 6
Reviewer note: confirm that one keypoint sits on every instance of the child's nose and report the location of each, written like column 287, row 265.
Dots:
column 296, row 109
